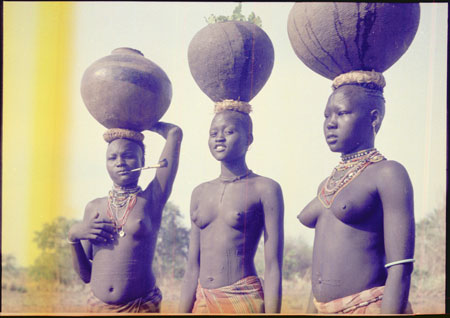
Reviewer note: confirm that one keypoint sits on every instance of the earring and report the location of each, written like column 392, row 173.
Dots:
column 374, row 131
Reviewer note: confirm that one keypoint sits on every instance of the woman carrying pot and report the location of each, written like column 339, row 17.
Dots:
column 114, row 245
column 363, row 214
column 231, row 62
column 228, row 216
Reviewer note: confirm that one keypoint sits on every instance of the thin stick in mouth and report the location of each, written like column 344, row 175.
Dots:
column 161, row 164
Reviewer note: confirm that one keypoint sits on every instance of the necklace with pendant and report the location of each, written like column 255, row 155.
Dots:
column 227, row 181
column 348, row 169
column 121, row 199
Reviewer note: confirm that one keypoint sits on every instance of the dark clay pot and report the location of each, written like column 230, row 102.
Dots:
column 231, row 60
column 126, row 90
column 335, row 38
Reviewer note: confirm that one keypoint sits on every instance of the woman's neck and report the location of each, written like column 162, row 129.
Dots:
column 367, row 144
column 356, row 154
column 233, row 169
column 130, row 186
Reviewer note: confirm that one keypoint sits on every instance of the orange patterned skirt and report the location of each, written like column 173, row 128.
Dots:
column 365, row 302
column 149, row 303
column 244, row 296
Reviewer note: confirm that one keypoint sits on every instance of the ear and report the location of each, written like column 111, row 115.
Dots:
column 249, row 139
column 375, row 118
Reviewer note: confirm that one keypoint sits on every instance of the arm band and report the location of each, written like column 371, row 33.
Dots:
column 409, row 260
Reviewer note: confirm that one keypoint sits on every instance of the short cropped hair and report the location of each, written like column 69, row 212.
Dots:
column 375, row 94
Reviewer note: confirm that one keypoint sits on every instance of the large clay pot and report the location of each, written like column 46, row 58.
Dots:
column 231, row 60
column 126, row 90
column 335, row 38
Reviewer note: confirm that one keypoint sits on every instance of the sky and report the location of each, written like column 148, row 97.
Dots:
column 288, row 146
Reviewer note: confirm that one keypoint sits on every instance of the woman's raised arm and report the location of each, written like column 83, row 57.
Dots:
column 165, row 175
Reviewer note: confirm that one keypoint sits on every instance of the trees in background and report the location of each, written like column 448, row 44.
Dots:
column 297, row 258
column 9, row 267
column 428, row 277
column 172, row 244
column 12, row 274
column 54, row 262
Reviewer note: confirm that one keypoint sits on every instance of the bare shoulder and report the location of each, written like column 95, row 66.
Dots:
column 389, row 165
column 392, row 180
column 93, row 205
column 389, row 170
column 96, row 202
column 200, row 190
column 265, row 184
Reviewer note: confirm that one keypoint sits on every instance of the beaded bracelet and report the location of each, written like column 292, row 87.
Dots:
column 73, row 242
column 409, row 260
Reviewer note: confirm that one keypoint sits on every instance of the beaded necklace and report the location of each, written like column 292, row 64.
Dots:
column 227, row 181
column 348, row 169
column 234, row 179
column 118, row 199
column 361, row 153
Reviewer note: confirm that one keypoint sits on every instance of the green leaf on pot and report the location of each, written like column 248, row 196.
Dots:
column 236, row 16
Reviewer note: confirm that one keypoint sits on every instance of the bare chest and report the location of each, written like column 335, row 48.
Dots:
column 132, row 221
column 235, row 204
column 357, row 202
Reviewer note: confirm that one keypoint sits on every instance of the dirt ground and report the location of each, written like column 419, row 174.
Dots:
column 295, row 297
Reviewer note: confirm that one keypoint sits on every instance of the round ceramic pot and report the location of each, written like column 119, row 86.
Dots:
column 231, row 60
column 126, row 90
column 332, row 38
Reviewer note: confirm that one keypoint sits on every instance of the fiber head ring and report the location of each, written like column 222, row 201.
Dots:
column 118, row 133
column 359, row 77
column 230, row 104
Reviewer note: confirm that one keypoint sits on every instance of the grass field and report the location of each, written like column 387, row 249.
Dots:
column 295, row 296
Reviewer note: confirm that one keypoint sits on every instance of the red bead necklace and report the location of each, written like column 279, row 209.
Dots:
column 130, row 197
